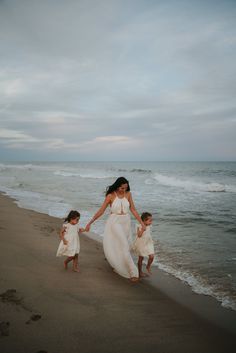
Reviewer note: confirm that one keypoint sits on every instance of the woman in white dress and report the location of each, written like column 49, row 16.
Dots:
column 117, row 238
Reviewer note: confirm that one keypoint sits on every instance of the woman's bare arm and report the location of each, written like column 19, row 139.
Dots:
column 100, row 212
column 134, row 212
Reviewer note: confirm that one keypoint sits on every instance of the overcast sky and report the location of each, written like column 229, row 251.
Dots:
column 117, row 80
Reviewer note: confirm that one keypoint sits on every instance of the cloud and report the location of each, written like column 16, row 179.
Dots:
column 13, row 135
column 102, row 77
column 112, row 139
column 12, row 87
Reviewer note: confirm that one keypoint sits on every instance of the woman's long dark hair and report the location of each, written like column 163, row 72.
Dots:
column 72, row 215
column 120, row 181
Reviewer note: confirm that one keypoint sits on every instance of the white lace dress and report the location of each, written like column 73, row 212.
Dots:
column 117, row 239
column 143, row 246
column 72, row 236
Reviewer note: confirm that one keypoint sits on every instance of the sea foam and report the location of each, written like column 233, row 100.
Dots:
column 188, row 184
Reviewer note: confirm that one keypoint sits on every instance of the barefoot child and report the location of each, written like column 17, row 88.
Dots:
column 143, row 244
column 70, row 244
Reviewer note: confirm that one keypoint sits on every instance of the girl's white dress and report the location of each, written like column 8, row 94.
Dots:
column 143, row 246
column 72, row 236
column 117, row 239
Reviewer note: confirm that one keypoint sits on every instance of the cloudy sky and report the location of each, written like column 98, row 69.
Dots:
column 117, row 80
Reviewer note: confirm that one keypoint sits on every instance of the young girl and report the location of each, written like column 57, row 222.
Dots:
column 70, row 244
column 143, row 244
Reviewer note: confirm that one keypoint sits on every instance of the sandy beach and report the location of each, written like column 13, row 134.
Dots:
column 47, row 309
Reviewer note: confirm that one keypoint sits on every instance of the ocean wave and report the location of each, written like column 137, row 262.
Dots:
column 92, row 175
column 190, row 185
column 51, row 205
column 139, row 170
column 223, row 172
column 27, row 166
column 96, row 176
column 149, row 181
column 39, row 202
column 2, row 167
column 17, row 166
column 230, row 188
column 135, row 170
column 199, row 286
column 65, row 174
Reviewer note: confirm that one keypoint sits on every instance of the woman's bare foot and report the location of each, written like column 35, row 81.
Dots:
column 134, row 279
column 149, row 269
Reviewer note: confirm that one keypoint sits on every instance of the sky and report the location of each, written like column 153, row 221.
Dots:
column 117, row 80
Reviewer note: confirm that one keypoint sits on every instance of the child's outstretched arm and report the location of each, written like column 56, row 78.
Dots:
column 62, row 235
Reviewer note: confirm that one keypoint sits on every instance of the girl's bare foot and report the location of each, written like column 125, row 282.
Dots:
column 149, row 270
column 143, row 274
column 76, row 269
column 134, row 279
column 65, row 265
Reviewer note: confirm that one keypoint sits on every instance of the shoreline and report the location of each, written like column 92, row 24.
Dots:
column 181, row 235
column 205, row 306
column 96, row 310
column 204, row 287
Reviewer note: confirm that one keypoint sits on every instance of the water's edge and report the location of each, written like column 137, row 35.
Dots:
column 203, row 305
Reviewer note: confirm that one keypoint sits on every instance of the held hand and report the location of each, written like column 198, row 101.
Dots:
column 87, row 228
column 81, row 230
column 65, row 242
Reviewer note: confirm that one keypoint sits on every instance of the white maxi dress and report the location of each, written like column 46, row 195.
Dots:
column 117, row 239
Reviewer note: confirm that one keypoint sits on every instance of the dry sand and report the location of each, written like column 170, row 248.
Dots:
column 44, row 308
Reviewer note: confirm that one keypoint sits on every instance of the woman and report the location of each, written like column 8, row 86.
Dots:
column 117, row 233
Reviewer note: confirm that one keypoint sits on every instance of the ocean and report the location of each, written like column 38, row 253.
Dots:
column 193, row 206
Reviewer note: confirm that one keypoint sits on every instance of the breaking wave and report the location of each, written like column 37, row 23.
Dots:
column 189, row 185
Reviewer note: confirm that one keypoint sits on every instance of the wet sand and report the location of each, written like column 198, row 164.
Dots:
column 47, row 309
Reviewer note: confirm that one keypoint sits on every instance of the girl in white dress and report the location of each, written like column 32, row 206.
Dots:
column 117, row 239
column 143, row 245
column 70, row 244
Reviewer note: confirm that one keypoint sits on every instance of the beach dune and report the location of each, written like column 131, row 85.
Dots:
column 44, row 308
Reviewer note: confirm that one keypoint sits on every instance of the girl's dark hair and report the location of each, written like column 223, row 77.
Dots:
column 72, row 215
column 145, row 216
column 120, row 181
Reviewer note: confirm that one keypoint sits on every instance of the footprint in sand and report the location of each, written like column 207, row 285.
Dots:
column 10, row 296
column 4, row 328
column 47, row 230
column 34, row 317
